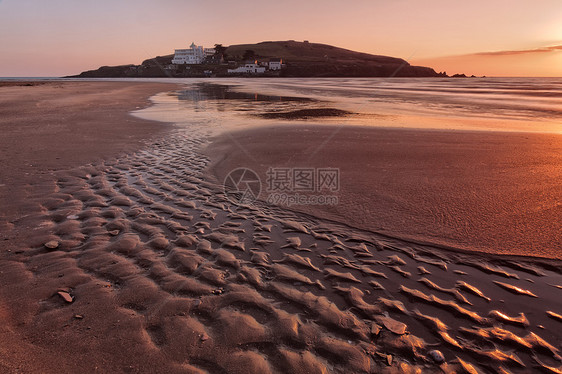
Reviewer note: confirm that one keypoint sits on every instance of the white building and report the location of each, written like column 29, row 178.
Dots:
column 275, row 64
column 194, row 55
column 248, row 69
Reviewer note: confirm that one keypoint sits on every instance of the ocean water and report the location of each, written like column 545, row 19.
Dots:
column 483, row 104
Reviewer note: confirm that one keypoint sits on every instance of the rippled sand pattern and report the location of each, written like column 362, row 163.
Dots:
column 223, row 288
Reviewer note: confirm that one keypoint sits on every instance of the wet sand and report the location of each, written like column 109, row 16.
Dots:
column 498, row 193
column 48, row 126
column 138, row 262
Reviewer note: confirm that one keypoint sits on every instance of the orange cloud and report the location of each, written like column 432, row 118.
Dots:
column 523, row 51
column 536, row 62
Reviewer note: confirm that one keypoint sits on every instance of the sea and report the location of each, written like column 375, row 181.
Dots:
column 470, row 104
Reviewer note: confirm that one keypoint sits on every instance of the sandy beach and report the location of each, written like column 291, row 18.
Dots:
column 48, row 126
column 497, row 193
column 121, row 251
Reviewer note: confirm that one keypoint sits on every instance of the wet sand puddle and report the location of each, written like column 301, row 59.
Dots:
column 221, row 287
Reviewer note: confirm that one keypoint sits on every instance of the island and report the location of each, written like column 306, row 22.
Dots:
column 267, row 59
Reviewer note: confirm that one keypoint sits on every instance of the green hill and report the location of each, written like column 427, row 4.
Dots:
column 293, row 51
column 304, row 59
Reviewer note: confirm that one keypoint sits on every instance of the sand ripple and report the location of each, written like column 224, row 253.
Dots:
column 218, row 287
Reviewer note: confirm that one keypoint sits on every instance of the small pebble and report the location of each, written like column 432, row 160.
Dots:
column 375, row 329
column 53, row 244
column 66, row 296
column 437, row 356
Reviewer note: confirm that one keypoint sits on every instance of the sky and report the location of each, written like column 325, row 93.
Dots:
column 480, row 37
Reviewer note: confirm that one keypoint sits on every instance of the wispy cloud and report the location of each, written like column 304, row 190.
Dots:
column 541, row 61
column 548, row 49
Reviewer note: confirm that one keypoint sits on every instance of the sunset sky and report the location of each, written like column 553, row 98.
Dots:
column 481, row 37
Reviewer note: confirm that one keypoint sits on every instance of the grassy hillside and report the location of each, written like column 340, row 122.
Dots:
column 305, row 59
column 293, row 51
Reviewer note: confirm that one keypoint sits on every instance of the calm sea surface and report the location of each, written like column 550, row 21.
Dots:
column 487, row 104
